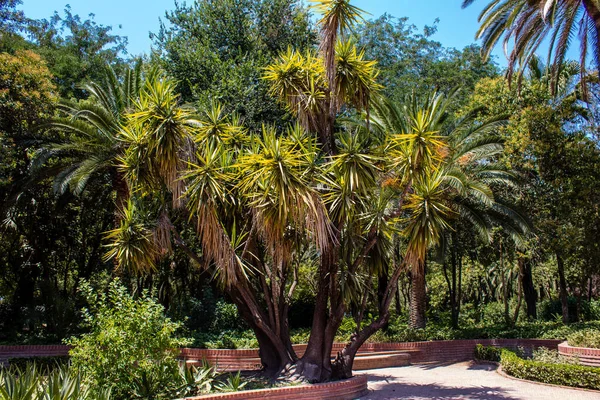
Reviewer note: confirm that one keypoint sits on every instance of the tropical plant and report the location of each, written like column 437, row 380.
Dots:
column 87, row 140
column 528, row 24
column 352, row 194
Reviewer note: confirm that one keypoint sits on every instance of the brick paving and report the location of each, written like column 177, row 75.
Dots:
column 465, row 380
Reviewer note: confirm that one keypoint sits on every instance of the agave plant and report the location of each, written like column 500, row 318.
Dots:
column 195, row 380
column 65, row 383
column 233, row 383
column 20, row 384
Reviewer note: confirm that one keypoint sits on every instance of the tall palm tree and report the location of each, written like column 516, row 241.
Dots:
column 444, row 173
column 87, row 141
column 527, row 24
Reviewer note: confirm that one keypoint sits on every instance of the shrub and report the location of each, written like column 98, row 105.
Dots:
column 546, row 372
column 130, row 343
column 585, row 338
column 552, row 356
column 487, row 353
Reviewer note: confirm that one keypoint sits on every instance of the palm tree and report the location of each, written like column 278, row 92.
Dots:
column 87, row 141
column 444, row 173
column 527, row 24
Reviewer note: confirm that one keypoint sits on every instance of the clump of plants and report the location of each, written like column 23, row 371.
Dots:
column 585, row 338
column 550, row 372
column 130, row 347
column 546, row 355
column 35, row 382
column 487, row 353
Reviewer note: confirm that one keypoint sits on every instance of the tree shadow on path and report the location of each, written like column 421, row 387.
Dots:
column 436, row 392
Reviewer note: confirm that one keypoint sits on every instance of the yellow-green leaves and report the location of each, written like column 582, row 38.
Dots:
column 356, row 78
column 155, row 137
column 132, row 242
column 298, row 80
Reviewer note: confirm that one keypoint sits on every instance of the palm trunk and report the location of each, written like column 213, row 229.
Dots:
column 418, row 299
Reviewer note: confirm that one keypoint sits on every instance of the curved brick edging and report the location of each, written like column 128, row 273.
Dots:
column 348, row 389
column 233, row 360
column 585, row 356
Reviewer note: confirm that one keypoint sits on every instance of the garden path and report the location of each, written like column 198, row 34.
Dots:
column 466, row 380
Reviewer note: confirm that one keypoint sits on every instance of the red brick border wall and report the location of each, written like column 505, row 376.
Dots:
column 585, row 355
column 421, row 352
column 458, row 350
column 348, row 389
column 7, row 352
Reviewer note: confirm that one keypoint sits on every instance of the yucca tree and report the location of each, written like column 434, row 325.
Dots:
column 525, row 25
column 260, row 203
column 87, row 142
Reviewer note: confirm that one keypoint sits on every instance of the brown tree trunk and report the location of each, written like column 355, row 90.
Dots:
column 529, row 291
column 564, row 299
column 312, row 365
column 418, row 298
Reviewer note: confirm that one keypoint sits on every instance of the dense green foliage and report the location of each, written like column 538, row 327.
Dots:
column 546, row 372
column 259, row 155
column 585, row 338
column 487, row 353
column 130, row 346
column 33, row 382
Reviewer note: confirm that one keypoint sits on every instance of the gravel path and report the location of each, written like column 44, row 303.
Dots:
column 460, row 381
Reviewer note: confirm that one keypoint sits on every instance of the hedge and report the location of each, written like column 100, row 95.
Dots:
column 557, row 374
column 487, row 353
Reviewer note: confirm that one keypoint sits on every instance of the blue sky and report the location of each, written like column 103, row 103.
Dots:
column 137, row 18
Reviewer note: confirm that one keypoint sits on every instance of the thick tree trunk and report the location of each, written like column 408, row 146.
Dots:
column 564, row 299
column 418, row 299
column 313, row 365
column 529, row 291
column 275, row 350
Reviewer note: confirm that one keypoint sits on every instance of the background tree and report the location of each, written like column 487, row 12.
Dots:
column 217, row 51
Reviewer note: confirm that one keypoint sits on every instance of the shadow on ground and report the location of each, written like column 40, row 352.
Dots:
column 436, row 392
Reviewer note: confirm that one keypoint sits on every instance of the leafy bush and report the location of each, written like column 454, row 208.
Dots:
column 585, row 338
column 227, row 318
column 45, row 363
column 130, row 346
column 487, row 353
column 552, row 356
column 546, row 372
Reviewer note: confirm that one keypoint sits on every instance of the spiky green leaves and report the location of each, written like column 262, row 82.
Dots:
column 275, row 176
column 155, row 138
column 299, row 80
column 527, row 24
column 133, row 242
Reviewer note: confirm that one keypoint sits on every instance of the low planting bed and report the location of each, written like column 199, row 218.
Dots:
column 583, row 355
column 347, row 389
column 554, row 372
